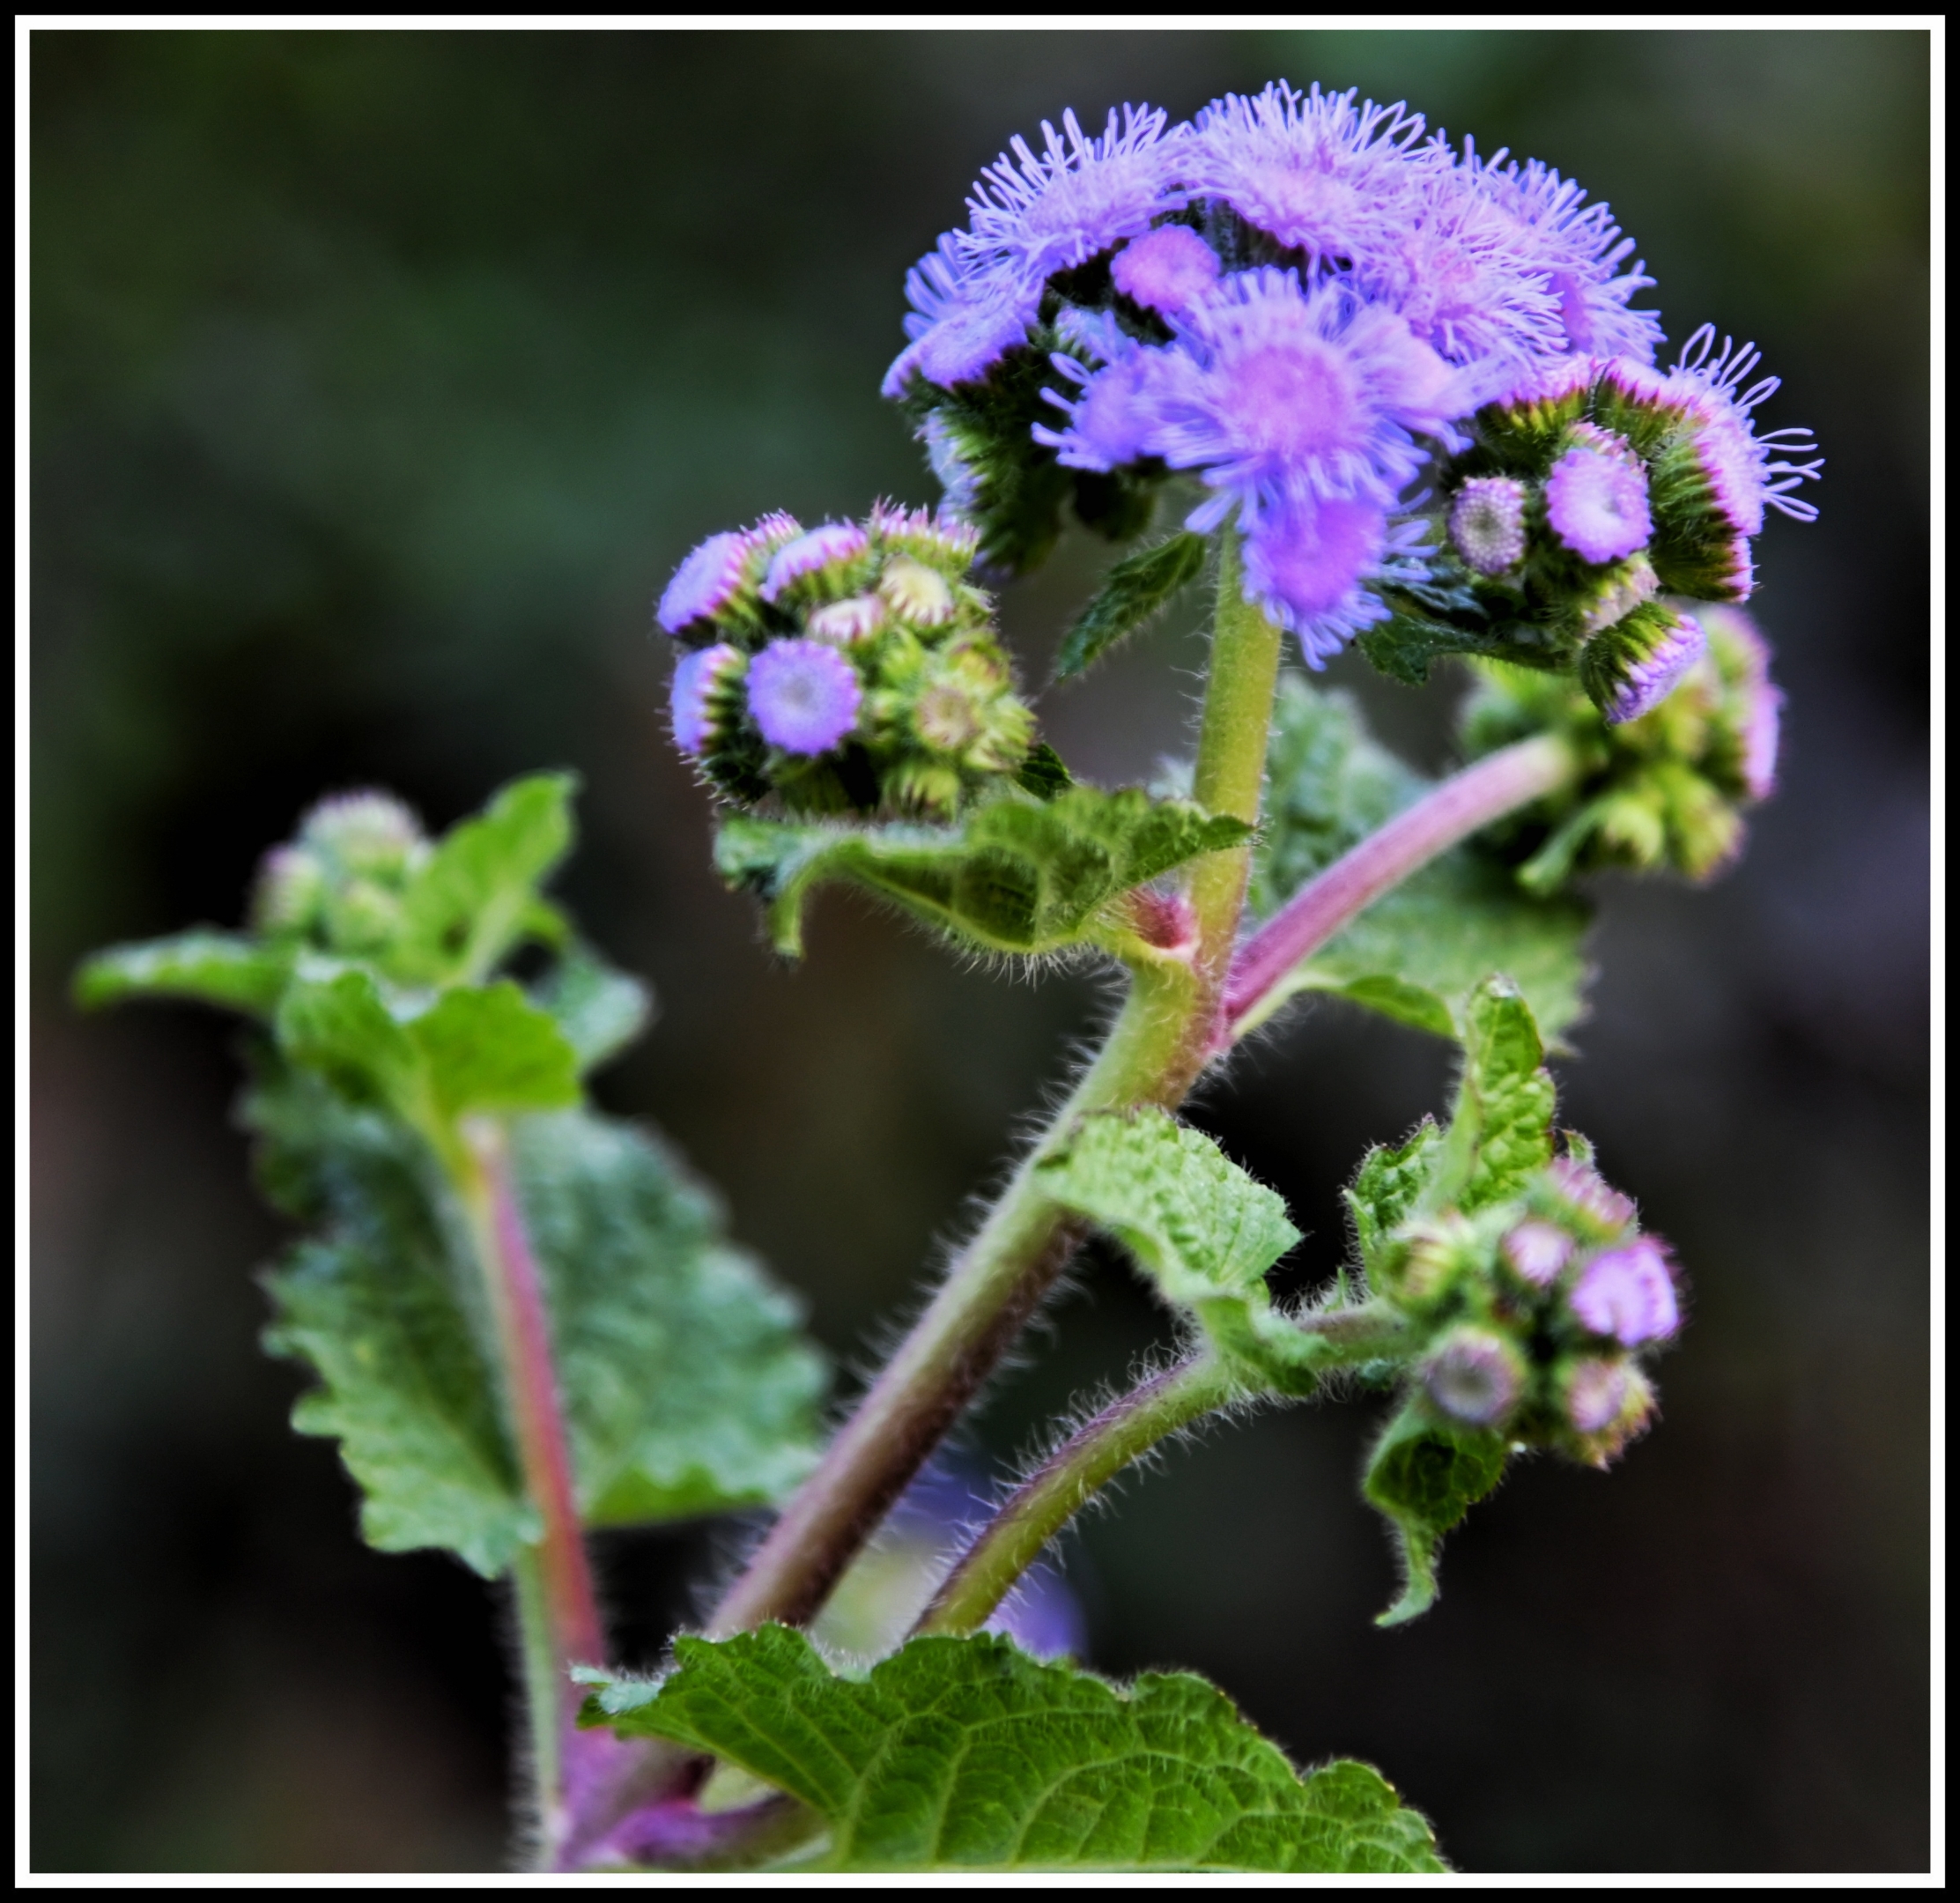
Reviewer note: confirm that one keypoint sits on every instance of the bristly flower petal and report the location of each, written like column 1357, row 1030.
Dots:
column 1745, row 470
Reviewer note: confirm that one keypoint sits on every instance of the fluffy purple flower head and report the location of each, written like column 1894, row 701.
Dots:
column 1628, row 1294
column 1596, row 497
column 1280, row 392
column 1033, row 215
column 1167, row 271
column 1537, row 1250
column 1652, row 671
column 1461, row 270
column 803, row 696
column 1315, row 170
column 1114, row 419
column 1579, row 252
column 698, row 678
column 1307, row 559
column 1595, row 1393
column 1746, row 471
column 1474, row 1377
column 963, row 319
column 831, row 546
column 1487, row 523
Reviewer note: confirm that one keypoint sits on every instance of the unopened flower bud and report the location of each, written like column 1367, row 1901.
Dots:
column 706, row 584
column 825, row 561
column 1595, row 1393
column 1536, row 1250
column 1628, row 1294
column 844, row 623
column 1167, row 271
column 1433, row 1257
column 702, row 697
column 362, row 917
column 1582, row 1196
column 802, row 695
column 365, row 833
column 946, row 718
column 1632, row 667
column 916, row 593
column 1474, row 1377
column 289, row 892
column 1596, row 497
column 1618, row 593
column 1487, row 523
column 941, row 540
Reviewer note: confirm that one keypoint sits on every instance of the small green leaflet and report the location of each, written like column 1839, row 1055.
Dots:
column 1417, row 952
column 1136, row 589
column 1018, row 874
column 1500, row 1130
column 687, row 1388
column 1386, row 1189
column 965, row 1754
column 1204, row 1230
column 213, row 967
column 1425, row 1478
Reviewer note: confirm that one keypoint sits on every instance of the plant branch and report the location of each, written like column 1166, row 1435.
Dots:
column 1462, row 804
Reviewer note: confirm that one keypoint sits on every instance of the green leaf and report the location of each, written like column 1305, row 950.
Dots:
column 1204, row 1230
column 597, row 1008
column 1425, row 1478
column 686, row 1386
column 214, row 967
column 1016, row 876
column 1044, row 772
column 965, row 1754
column 485, row 1048
column 1418, row 952
column 1387, row 1188
column 1138, row 587
column 478, row 894
column 1500, row 1129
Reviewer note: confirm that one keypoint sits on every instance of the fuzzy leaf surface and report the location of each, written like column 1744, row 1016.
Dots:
column 1500, row 1130
column 1417, row 952
column 1135, row 591
column 597, row 1008
column 1423, row 1479
column 213, row 967
column 687, row 1386
column 1018, row 874
column 1387, row 1187
column 965, row 1754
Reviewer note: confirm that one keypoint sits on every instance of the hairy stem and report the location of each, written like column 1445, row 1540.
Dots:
column 1449, row 813
column 1051, row 1497
column 1158, row 1044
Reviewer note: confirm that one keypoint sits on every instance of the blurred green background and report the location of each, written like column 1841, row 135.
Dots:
column 378, row 380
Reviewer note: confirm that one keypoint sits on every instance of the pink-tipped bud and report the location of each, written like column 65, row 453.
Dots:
column 1474, row 1377
column 1578, row 1194
column 825, row 555
column 1596, row 497
column 844, row 623
column 1536, row 1251
column 1487, row 523
column 1595, row 1392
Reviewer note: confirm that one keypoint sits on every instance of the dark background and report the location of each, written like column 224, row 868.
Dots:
column 378, row 381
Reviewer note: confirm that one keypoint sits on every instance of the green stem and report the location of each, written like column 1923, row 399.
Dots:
column 1045, row 1503
column 1160, row 1041
column 543, row 1698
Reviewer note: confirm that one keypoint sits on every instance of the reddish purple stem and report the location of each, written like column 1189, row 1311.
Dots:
column 1462, row 805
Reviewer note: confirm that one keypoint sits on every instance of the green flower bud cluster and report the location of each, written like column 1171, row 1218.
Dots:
column 854, row 668
column 1574, row 512
column 339, row 887
column 1531, row 1314
column 1668, row 789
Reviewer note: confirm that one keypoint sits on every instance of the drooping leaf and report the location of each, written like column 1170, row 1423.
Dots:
column 478, row 894
column 1204, row 1230
column 1418, row 952
column 1424, row 1477
column 1135, row 589
column 686, row 1386
column 597, row 1008
column 1017, row 875
column 967, row 1755
column 214, row 967
column 1500, row 1130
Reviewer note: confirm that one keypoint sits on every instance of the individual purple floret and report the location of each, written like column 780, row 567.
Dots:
column 1595, row 1393
column 1316, row 171
column 1474, row 1377
column 1292, row 393
column 1745, row 470
column 1487, row 523
column 1166, row 270
column 1596, row 497
column 829, row 545
column 1537, row 1250
column 1648, row 678
column 1628, row 1294
column 803, row 696
column 965, row 318
column 692, row 696
column 1033, row 215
